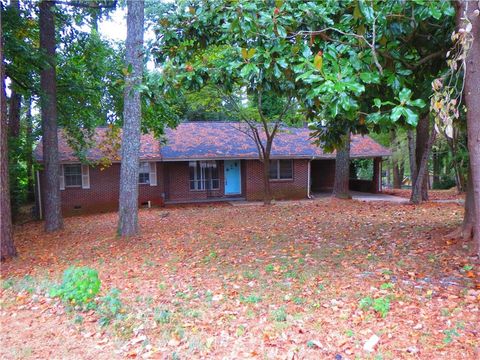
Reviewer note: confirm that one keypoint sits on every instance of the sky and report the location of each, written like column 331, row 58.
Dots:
column 115, row 28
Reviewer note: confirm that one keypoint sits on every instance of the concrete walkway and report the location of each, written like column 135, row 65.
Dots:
column 356, row 195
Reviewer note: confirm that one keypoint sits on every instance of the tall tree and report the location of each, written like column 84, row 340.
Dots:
column 128, row 206
column 7, row 247
column 470, row 10
column 48, row 100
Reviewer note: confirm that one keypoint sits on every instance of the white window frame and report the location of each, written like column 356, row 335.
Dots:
column 199, row 180
column 79, row 175
column 84, row 175
column 145, row 171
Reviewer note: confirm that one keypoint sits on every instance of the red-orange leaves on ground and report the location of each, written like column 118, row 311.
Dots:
column 307, row 280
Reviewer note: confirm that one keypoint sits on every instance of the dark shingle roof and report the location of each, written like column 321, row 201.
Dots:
column 223, row 140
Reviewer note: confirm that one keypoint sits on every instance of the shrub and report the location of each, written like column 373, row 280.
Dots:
column 380, row 305
column 109, row 307
column 79, row 285
column 279, row 314
column 162, row 316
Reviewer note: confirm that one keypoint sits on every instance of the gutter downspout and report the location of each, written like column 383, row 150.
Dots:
column 309, row 196
column 40, row 214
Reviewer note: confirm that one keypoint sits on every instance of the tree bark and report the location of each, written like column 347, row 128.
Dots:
column 29, row 148
column 411, row 155
column 132, row 112
column 48, row 98
column 342, row 170
column 419, row 184
column 422, row 137
column 472, row 102
column 7, row 248
column 436, row 169
column 267, row 196
column 14, row 113
column 396, row 168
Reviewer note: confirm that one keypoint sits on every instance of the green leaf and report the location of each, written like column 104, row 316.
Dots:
column 366, row 10
column 417, row 103
column 377, row 102
column 397, row 112
column 405, row 95
column 411, row 117
column 370, row 77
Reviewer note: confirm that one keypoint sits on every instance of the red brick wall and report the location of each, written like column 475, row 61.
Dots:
column 323, row 174
column 281, row 189
column 104, row 192
column 173, row 185
column 177, row 180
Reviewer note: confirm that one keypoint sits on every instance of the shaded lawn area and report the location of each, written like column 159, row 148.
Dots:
column 308, row 280
column 449, row 194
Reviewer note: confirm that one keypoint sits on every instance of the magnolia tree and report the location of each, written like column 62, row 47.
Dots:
column 352, row 66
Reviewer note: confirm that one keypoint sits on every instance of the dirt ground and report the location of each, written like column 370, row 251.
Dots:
column 309, row 280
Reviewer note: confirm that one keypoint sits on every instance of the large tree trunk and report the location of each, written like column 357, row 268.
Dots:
column 472, row 102
column 419, row 184
column 411, row 155
column 29, row 148
column 48, row 85
column 14, row 113
column 7, row 248
column 132, row 112
column 436, row 169
column 397, row 170
column 422, row 137
column 397, row 175
column 342, row 170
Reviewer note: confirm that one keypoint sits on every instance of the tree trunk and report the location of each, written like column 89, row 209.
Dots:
column 436, row 169
column 472, row 102
column 422, row 136
column 7, row 248
column 411, row 155
column 48, row 98
column 14, row 113
column 267, row 196
column 342, row 170
column 397, row 175
column 132, row 112
column 29, row 149
column 396, row 171
column 419, row 184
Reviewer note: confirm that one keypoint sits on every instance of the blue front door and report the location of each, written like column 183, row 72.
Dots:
column 232, row 177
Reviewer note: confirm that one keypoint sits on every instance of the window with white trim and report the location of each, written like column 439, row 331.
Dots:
column 281, row 169
column 204, row 175
column 73, row 175
column 144, row 173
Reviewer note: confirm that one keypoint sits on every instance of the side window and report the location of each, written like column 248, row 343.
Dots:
column 144, row 173
column 73, row 175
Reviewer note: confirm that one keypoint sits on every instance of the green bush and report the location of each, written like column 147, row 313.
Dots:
column 379, row 305
column 110, row 307
column 79, row 285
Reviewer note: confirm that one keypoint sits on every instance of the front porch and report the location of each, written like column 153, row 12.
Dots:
column 365, row 175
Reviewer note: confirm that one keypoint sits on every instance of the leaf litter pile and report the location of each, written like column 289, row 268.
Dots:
column 323, row 279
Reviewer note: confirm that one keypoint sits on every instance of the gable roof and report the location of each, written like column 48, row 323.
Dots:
column 219, row 140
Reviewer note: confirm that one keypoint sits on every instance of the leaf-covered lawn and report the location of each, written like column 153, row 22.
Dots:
column 300, row 280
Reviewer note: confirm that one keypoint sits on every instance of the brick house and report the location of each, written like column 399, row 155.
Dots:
column 204, row 161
